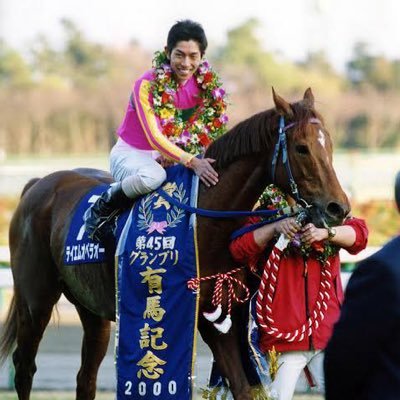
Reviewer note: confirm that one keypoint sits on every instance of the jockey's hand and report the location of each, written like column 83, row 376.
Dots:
column 288, row 226
column 204, row 170
column 310, row 234
column 165, row 162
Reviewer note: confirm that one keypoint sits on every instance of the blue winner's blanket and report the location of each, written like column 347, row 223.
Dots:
column 79, row 249
column 156, row 312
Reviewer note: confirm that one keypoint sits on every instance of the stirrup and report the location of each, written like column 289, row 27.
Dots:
column 97, row 233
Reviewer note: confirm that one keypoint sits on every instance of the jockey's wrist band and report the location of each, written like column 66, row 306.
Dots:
column 187, row 163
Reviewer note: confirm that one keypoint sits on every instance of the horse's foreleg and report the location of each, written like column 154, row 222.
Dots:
column 226, row 352
column 94, row 347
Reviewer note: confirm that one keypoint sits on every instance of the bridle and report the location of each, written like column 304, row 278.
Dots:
column 282, row 144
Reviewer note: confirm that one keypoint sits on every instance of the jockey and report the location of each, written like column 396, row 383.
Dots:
column 175, row 111
column 291, row 295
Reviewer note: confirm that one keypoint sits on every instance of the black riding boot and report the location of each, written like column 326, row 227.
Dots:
column 99, row 218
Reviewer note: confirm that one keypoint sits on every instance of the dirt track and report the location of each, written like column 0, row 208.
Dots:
column 104, row 396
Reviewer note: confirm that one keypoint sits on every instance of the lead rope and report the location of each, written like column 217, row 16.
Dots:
column 266, row 294
column 216, row 300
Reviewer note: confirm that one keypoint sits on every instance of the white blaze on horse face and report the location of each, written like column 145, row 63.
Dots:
column 321, row 138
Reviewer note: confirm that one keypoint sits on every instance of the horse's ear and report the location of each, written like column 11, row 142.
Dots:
column 308, row 98
column 281, row 105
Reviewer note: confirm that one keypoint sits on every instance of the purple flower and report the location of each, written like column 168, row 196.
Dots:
column 217, row 93
column 169, row 90
column 165, row 121
column 166, row 67
column 184, row 137
column 296, row 242
column 202, row 70
column 278, row 199
column 223, row 118
column 204, row 67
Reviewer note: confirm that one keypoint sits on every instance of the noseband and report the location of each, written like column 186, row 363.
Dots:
column 282, row 144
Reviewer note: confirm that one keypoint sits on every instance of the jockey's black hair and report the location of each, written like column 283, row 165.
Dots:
column 187, row 30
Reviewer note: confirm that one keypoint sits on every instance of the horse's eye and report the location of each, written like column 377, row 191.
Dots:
column 302, row 149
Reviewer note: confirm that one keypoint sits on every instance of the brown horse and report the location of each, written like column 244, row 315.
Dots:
column 244, row 155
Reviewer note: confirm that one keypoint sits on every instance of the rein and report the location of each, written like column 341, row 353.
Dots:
column 214, row 213
column 281, row 144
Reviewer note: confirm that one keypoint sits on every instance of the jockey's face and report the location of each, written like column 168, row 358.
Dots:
column 184, row 58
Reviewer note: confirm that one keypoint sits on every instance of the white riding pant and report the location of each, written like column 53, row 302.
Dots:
column 138, row 170
column 292, row 364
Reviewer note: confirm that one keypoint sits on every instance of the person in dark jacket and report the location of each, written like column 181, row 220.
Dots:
column 362, row 359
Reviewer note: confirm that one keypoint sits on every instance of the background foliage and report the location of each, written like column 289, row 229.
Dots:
column 73, row 98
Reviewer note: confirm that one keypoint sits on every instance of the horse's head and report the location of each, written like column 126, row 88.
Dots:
column 309, row 149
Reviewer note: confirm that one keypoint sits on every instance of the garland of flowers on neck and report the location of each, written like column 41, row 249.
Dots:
column 273, row 198
column 207, row 123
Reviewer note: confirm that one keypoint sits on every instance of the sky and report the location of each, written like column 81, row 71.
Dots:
column 290, row 27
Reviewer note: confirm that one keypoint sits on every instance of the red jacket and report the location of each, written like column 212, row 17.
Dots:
column 296, row 292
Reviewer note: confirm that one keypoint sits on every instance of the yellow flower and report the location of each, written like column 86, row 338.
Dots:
column 166, row 114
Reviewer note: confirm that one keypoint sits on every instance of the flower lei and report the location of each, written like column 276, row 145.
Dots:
column 273, row 198
column 208, row 121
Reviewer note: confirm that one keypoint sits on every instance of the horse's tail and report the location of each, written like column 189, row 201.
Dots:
column 29, row 185
column 9, row 334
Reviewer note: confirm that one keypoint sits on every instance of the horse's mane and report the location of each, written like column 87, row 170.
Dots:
column 247, row 137
column 256, row 134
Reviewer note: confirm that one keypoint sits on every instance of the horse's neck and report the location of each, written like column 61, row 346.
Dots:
column 239, row 187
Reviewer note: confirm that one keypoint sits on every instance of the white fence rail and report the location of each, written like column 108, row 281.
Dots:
column 364, row 175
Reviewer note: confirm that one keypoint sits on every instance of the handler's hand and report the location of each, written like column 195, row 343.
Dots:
column 204, row 170
column 310, row 234
column 288, row 226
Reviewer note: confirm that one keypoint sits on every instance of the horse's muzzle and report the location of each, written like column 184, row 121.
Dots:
column 332, row 214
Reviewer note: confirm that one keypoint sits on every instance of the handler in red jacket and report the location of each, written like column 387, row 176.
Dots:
column 297, row 288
